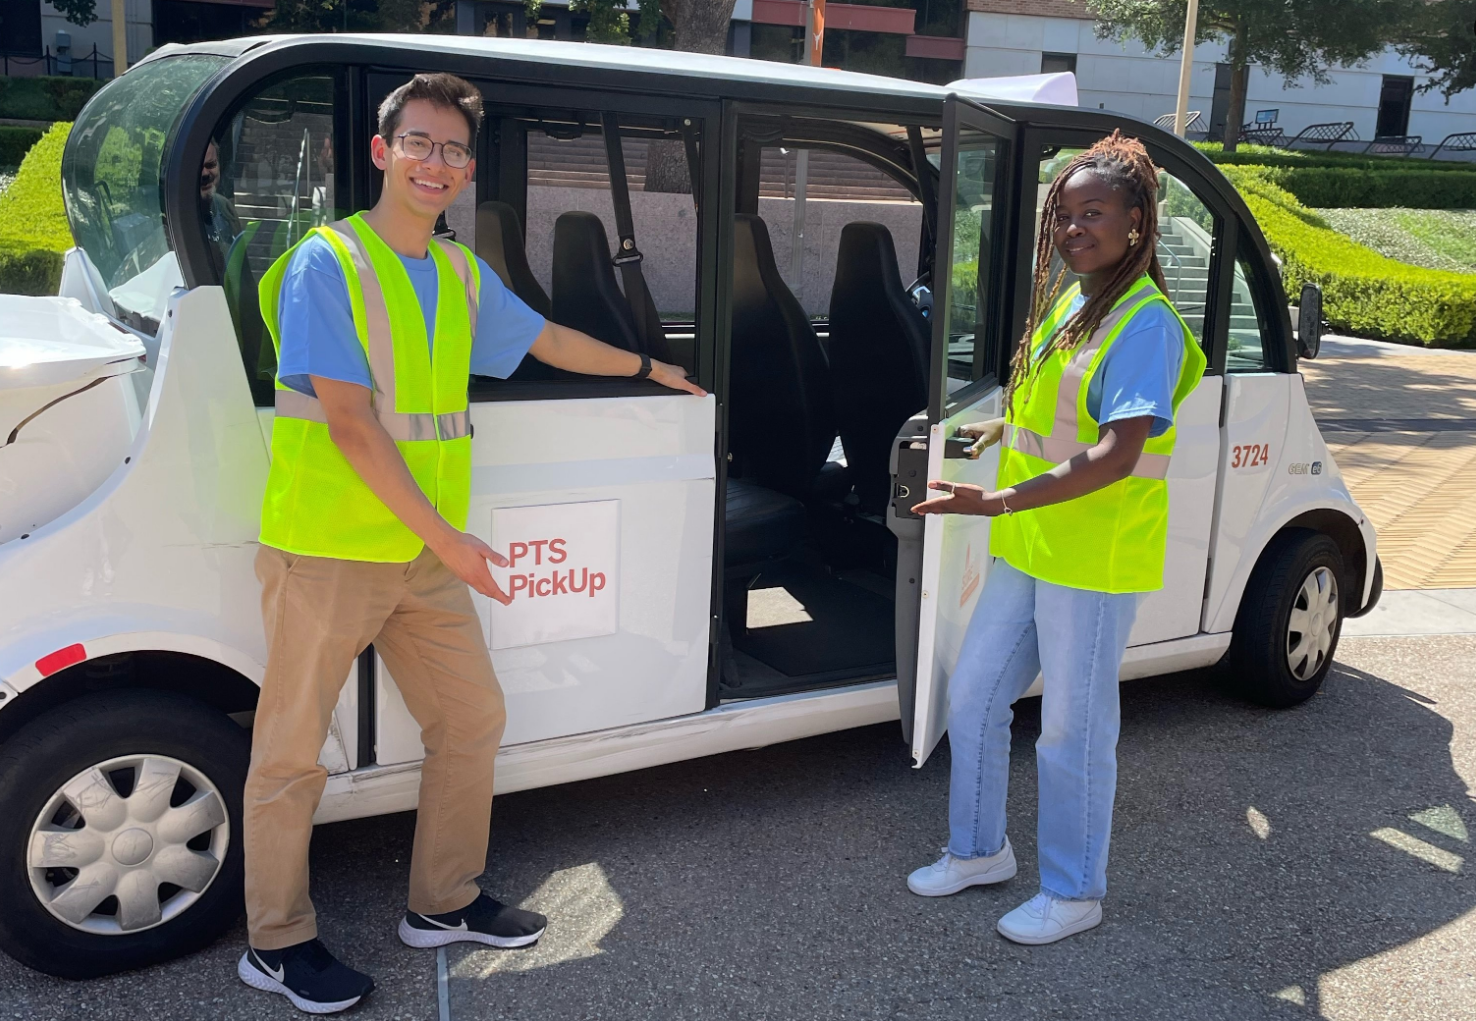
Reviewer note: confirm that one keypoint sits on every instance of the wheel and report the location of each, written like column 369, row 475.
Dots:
column 120, row 833
column 1289, row 621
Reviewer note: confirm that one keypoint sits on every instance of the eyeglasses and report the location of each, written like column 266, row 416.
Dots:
column 419, row 148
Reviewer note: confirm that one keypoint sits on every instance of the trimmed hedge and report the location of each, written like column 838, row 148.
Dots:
column 36, row 272
column 1364, row 293
column 1268, row 156
column 34, row 231
column 15, row 143
column 45, row 98
column 1352, row 187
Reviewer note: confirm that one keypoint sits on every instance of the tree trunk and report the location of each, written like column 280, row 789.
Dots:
column 1239, row 81
column 701, row 26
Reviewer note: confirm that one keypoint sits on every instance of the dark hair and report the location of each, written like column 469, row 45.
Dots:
column 444, row 91
column 1123, row 163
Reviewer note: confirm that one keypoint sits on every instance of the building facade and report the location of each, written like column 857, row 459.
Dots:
column 1381, row 98
column 928, row 40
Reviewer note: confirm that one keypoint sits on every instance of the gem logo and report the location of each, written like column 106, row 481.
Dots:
column 562, row 573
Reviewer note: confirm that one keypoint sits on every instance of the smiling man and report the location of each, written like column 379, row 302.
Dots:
column 378, row 326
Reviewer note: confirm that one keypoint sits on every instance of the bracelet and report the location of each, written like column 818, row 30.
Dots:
column 1004, row 505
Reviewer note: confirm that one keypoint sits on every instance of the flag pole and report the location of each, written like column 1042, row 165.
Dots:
column 1186, row 65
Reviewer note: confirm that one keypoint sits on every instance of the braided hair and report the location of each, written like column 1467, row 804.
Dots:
column 1122, row 163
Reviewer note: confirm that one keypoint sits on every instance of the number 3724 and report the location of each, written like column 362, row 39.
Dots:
column 1251, row 455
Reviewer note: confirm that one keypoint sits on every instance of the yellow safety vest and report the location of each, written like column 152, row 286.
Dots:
column 316, row 503
column 1112, row 540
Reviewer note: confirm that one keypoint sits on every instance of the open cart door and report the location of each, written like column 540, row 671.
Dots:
column 974, row 272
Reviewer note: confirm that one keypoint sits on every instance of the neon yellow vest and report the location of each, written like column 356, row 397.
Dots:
column 1113, row 540
column 316, row 503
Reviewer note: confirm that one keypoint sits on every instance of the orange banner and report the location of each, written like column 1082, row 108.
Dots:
column 817, row 32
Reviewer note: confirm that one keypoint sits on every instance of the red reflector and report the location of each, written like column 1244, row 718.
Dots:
column 60, row 659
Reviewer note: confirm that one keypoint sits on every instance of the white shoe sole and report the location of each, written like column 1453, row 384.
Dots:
column 256, row 980
column 1090, row 921
column 1001, row 872
column 425, row 939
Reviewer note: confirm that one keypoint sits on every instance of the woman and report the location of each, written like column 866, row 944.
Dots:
column 1081, row 523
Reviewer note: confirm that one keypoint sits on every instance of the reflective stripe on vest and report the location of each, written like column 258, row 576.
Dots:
column 1113, row 539
column 316, row 504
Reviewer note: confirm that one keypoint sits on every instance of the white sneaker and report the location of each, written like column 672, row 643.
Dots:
column 1044, row 919
column 950, row 874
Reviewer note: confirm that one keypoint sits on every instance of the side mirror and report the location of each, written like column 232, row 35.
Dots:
column 1309, row 321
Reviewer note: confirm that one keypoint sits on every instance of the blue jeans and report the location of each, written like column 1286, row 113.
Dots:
column 1022, row 627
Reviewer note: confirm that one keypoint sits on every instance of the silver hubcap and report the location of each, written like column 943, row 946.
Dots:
column 128, row 844
column 1313, row 624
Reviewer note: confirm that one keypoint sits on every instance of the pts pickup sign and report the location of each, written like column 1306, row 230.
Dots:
column 562, row 573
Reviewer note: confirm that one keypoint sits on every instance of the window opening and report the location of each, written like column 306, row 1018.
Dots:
column 277, row 158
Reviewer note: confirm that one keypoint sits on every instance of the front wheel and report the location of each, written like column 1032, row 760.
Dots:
column 120, row 833
column 1289, row 621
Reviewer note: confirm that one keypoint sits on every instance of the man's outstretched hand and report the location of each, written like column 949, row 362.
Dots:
column 674, row 377
column 467, row 557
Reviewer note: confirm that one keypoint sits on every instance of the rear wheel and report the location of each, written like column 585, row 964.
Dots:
column 1289, row 621
column 120, row 844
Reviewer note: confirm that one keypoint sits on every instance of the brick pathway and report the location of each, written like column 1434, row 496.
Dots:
column 1402, row 425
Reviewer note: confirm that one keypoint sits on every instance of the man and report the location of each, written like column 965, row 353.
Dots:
column 378, row 326
column 222, row 225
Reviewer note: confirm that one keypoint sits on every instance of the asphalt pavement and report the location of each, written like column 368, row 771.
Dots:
column 1314, row 862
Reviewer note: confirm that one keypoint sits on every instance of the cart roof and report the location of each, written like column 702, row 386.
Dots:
column 588, row 56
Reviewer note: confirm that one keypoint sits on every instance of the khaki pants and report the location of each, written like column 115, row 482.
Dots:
column 320, row 614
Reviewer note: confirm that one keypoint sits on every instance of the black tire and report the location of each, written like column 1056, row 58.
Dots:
column 1259, row 663
column 45, row 755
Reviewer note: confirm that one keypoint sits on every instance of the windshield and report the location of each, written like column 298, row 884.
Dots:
column 111, row 174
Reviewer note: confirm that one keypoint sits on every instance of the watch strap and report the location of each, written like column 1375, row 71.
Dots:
column 645, row 369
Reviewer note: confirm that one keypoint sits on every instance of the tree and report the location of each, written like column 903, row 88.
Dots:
column 1443, row 45
column 78, row 12
column 1294, row 38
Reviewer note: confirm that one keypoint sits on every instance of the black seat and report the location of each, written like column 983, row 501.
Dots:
column 878, row 349
column 586, row 295
column 500, row 245
column 780, row 422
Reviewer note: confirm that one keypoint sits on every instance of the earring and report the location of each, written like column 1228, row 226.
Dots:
column 1133, row 237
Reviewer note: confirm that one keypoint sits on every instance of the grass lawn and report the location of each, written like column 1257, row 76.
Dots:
column 1435, row 238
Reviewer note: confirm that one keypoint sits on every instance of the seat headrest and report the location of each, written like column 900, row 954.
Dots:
column 500, row 245
column 585, row 294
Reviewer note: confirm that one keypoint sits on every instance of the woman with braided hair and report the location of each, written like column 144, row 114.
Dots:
column 1081, row 524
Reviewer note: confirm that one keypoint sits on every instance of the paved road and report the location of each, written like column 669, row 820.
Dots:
column 1310, row 863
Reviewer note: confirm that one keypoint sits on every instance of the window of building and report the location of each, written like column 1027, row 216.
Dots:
column 1394, row 101
column 1056, row 63
column 20, row 27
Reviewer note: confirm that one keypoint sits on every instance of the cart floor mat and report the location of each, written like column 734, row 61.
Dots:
column 809, row 625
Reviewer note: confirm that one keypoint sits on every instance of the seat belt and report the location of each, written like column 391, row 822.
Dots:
column 627, row 257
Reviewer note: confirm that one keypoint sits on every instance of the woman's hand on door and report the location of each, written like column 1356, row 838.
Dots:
column 987, row 434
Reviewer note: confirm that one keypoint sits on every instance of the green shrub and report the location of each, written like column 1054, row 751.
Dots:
column 34, row 272
column 45, row 98
column 1268, row 156
column 1351, row 187
column 31, row 211
column 15, row 143
column 1363, row 292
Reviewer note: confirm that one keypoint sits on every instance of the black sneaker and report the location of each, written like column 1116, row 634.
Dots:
column 307, row 974
column 484, row 920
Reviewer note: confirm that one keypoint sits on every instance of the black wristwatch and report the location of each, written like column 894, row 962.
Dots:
column 645, row 369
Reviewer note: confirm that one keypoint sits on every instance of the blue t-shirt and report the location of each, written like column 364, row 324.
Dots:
column 1139, row 372
column 317, row 324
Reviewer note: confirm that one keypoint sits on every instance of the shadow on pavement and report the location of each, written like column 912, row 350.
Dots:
column 1253, row 852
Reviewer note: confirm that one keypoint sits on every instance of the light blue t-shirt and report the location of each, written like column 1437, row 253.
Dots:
column 1139, row 372
column 317, row 324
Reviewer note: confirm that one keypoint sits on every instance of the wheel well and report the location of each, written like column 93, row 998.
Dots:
column 1344, row 531
column 204, row 680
